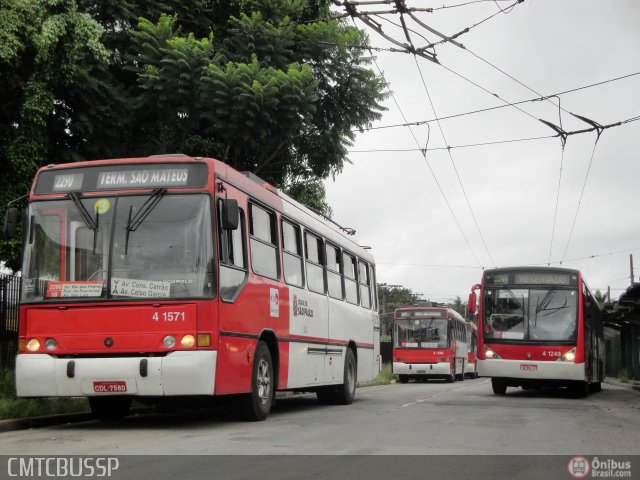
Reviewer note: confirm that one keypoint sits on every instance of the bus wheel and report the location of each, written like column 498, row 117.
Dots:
column 346, row 392
column 258, row 403
column 451, row 378
column 498, row 386
column 403, row 378
column 596, row 387
column 110, row 409
column 579, row 389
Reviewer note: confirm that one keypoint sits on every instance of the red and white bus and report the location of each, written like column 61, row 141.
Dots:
column 429, row 342
column 174, row 276
column 538, row 327
column 472, row 347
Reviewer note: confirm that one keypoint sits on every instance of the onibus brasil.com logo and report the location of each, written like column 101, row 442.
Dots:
column 582, row 467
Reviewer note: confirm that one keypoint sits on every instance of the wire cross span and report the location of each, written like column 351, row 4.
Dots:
column 407, row 16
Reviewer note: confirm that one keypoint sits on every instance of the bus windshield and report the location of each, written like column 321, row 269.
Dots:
column 138, row 246
column 530, row 314
column 426, row 333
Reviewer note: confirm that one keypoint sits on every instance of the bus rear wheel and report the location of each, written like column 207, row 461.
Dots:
column 498, row 386
column 257, row 404
column 111, row 408
column 346, row 392
column 403, row 378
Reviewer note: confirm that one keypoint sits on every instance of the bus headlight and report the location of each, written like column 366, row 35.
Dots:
column 570, row 356
column 33, row 345
column 169, row 341
column 188, row 341
column 50, row 344
column 490, row 354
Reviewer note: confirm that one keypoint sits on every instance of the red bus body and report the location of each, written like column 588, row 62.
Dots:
column 538, row 327
column 429, row 342
column 138, row 301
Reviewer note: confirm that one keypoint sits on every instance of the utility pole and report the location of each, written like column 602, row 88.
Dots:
column 631, row 267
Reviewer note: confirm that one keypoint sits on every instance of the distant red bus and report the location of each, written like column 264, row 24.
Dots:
column 179, row 277
column 470, row 369
column 429, row 342
column 538, row 327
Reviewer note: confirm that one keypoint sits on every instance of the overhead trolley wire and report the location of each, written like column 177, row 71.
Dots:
column 497, row 107
column 429, row 166
column 466, row 197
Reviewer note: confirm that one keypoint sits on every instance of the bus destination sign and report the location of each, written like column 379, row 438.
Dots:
column 542, row 279
column 532, row 278
column 168, row 177
column 420, row 314
column 117, row 177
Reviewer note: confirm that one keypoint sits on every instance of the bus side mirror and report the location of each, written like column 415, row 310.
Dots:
column 471, row 305
column 10, row 222
column 230, row 214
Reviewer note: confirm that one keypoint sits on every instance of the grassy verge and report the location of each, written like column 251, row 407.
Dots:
column 13, row 407
column 385, row 376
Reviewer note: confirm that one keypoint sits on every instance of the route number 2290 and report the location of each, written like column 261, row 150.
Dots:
column 168, row 316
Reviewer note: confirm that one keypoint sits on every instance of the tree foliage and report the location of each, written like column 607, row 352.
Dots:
column 275, row 87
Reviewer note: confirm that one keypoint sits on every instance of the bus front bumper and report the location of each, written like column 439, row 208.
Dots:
column 531, row 370
column 177, row 373
column 439, row 369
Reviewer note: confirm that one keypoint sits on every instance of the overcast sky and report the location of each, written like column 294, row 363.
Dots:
column 393, row 201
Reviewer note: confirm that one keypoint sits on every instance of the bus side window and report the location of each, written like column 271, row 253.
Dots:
column 233, row 258
column 375, row 287
column 334, row 276
column 315, row 263
column 365, row 285
column 292, row 254
column 350, row 283
column 264, row 243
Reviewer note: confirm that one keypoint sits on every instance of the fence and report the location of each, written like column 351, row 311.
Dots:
column 9, row 303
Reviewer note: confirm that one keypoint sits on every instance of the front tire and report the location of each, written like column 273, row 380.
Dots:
column 498, row 386
column 346, row 392
column 258, row 403
column 111, row 408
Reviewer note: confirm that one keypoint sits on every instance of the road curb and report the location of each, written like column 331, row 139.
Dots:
column 617, row 383
column 47, row 421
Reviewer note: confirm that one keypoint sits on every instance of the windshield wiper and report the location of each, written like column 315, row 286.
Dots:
column 86, row 216
column 134, row 222
column 84, row 213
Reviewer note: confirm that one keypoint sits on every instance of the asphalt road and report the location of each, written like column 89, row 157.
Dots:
column 431, row 418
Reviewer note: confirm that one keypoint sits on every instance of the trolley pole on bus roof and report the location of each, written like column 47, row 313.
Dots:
column 631, row 267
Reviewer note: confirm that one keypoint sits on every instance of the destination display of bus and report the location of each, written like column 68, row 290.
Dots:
column 117, row 177
column 531, row 278
column 421, row 314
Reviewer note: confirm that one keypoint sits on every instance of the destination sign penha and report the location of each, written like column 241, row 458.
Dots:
column 120, row 177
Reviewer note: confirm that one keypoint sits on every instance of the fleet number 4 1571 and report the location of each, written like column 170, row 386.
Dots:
column 168, row 316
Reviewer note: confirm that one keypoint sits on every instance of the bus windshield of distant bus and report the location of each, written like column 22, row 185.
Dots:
column 420, row 333
column 535, row 314
column 130, row 246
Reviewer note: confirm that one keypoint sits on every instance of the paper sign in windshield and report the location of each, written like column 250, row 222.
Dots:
column 73, row 289
column 128, row 287
column 517, row 294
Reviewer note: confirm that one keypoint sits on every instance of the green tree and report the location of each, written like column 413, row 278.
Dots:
column 459, row 306
column 275, row 87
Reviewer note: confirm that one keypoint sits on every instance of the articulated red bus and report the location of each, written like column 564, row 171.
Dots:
column 538, row 327
column 470, row 369
column 180, row 277
column 429, row 342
